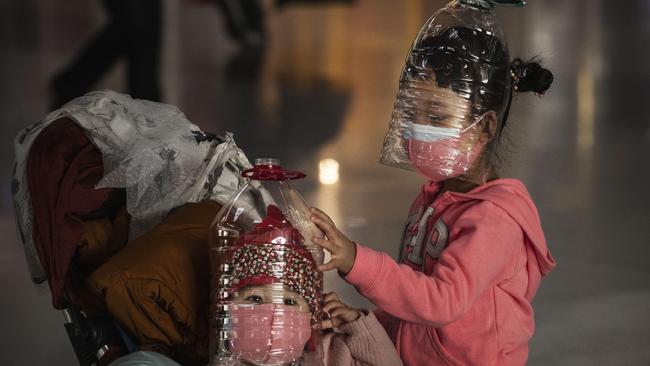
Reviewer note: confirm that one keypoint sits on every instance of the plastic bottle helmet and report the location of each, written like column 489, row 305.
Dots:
column 457, row 71
column 266, row 290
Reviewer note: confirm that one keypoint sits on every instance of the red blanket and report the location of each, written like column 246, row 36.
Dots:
column 62, row 171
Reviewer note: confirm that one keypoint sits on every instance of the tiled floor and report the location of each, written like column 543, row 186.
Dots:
column 324, row 89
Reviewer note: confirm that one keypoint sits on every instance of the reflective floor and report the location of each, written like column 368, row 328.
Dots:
column 324, row 88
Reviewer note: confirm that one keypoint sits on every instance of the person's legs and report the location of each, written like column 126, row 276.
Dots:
column 142, row 21
column 244, row 21
column 91, row 63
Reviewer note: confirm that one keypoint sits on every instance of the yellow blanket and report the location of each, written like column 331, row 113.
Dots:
column 157, row 286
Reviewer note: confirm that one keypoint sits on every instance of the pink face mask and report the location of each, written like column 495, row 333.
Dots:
column 269, row 334
column 441, row 153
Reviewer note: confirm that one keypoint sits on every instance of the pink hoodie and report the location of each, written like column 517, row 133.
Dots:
column 469, row 304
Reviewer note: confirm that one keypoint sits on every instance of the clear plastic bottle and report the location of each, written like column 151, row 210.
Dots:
column 266, row 291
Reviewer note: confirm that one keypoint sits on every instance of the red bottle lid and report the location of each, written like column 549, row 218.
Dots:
column 270, row 169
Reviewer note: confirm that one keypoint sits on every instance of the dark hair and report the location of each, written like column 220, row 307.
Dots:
column 530, row 76
column 475, row 64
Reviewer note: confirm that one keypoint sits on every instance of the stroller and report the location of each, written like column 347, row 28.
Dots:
column 113, row 200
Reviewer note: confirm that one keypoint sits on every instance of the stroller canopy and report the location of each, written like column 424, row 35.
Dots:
column 77, row 161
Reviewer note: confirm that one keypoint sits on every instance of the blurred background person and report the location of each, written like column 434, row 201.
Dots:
column 245, row 19
column 133, row 32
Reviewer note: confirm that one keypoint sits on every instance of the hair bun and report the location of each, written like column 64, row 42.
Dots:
column 530, row 76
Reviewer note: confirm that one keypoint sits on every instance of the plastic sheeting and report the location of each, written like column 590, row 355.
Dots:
column 148, row 148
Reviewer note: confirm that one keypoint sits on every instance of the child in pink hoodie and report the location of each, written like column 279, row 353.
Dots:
column 473, row 251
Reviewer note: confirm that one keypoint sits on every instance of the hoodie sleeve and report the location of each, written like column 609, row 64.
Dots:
column 481, row 252
column 363, row 342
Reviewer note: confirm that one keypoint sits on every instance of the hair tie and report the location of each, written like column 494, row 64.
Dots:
column 517, row 72
column 530, row 76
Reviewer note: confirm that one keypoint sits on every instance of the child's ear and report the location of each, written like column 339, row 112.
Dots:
column 488, row 125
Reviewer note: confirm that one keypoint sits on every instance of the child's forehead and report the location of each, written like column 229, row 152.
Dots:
column 440, row 100
column 269, row 288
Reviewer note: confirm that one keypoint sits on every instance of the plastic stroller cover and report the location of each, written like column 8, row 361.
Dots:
column 150, row 149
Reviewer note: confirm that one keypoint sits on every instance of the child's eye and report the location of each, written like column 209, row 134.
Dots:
column 291, row 302
column 409, row 113
column 255, row 299
column 436, row 119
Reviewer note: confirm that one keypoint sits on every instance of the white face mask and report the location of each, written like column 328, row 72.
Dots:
column 426, row 133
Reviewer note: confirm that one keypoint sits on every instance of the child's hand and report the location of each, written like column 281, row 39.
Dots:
column 338, row 312
column 342, row 249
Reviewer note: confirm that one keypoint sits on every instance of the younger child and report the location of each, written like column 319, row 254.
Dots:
column 276, row 310
column 473, row 251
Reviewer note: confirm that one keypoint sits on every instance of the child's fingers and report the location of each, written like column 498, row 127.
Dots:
column 326, row 324
column 320, row 213
column 328, row 266
column 345, row 313
column 330, row 296
column 338, row 311
column 324, row 243
column 328, row 228
column 323, row 216
column 328, row 307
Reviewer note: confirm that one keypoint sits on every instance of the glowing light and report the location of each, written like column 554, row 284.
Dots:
column 328, row 171
column 586, row 110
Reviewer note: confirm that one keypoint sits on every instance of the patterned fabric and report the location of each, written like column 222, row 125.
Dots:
column 290, row 265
